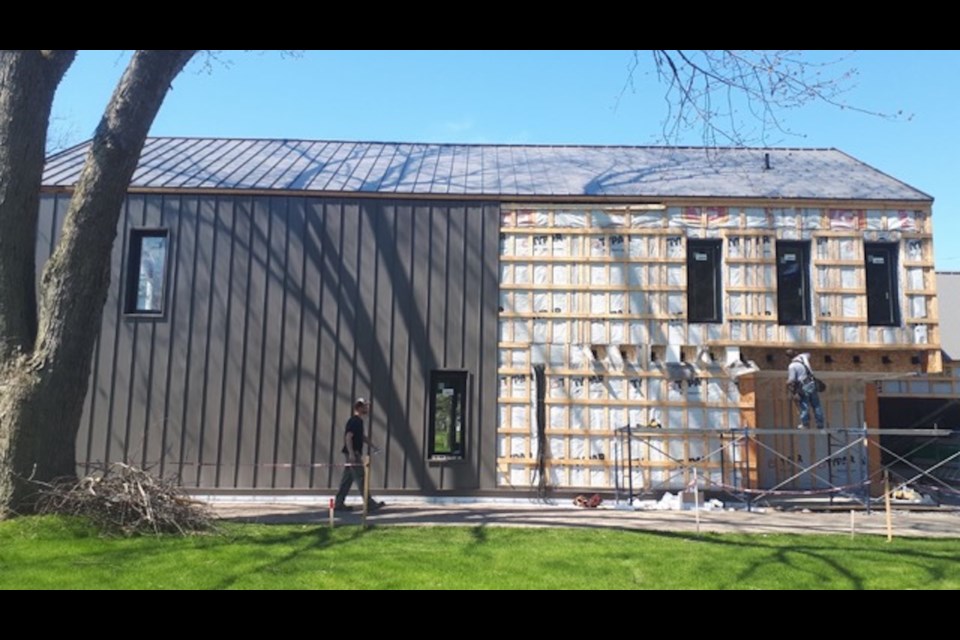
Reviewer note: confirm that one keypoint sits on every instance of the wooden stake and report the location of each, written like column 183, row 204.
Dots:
column 366, row 489
column 852, row 523
column 886, row 501
column 696, row 498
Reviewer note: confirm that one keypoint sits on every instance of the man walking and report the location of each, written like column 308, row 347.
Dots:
column 353, row 440
column 802, row 385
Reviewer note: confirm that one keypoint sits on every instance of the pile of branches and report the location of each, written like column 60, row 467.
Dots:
column 125, row 500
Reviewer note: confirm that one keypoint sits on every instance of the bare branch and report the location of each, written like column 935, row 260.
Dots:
column 740, row 96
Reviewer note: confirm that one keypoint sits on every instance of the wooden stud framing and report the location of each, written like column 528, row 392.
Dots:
column 580, row 278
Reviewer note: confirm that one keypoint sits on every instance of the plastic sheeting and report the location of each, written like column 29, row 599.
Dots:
column 849, row 306
column 647, row 219
column 677, row 333
column 918, row 306
column 598, row 274
column 811, row 218
column 915, row 279
column 675, row 247
column 570, row 219
column 675, row 303
column 756, row 218
column 618, row 332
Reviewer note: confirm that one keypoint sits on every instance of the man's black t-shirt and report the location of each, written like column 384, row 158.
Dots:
column 355, row 429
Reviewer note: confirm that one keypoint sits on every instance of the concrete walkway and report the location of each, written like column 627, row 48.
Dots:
column 934, row 524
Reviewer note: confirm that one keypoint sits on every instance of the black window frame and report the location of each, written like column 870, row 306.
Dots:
column 701, row 250
column 135, row 241
column 784, row 302
column 891, row 317
column 458, row 381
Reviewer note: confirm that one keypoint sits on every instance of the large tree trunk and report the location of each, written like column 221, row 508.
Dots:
column 42, row 394
column 28, row 80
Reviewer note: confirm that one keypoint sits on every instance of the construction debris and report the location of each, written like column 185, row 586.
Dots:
column 125, row 500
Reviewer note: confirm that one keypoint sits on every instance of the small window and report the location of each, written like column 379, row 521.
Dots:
column 704, row 300
column 146, row 271
column 448, row 392
column 793, row 282
column 883, row 308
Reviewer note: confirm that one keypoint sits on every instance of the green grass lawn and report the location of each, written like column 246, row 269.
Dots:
column 55, row 553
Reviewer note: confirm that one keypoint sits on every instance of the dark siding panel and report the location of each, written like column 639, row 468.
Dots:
column 236, row 353
column 382, row 243
column 280, row 311
column 315, row 449
column 115, row 366
column 128, row 410
column 252, row 283
column 275, row 343
column 161, row 212
column 195, row 389
column 170, row 438
column 289, row 381
column 258, row 355
column 370, row 360
column 486, row 390
column 437, row 311
column 331, row 434
column 180, row 340
column 404, row 321
column 422, row 358
column 306, row 347
column 143, row 355
column 348, row 298
column 468, row 474
column 218, row 335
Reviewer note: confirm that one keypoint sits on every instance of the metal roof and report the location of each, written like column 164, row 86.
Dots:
column 948, row 291
column 497, row 170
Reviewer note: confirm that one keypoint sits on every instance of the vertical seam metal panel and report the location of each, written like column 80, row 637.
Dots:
column 227, row 338
column 174, row 280
column 211, row 287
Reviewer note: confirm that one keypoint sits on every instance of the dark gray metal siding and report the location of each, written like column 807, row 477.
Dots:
column 278, row 312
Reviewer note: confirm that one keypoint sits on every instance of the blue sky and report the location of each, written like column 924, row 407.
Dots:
column 536, row 97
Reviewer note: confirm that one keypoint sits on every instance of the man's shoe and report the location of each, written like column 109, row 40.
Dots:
column 342, row 507
column 801, row 426
column 375, row 505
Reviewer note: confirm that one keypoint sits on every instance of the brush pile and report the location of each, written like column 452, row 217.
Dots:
column 125, row 500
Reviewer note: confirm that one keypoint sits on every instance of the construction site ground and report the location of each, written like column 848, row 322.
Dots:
column 905, row 520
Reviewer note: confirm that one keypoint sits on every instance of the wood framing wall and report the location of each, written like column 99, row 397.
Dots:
column 598, row 294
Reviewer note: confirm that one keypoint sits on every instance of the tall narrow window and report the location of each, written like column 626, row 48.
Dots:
column 447, row 429
column 793, row 282
column 704, row 301
column 883, row 308
column 146, row 271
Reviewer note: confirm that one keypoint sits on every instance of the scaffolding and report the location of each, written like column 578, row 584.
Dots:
column 732, row 466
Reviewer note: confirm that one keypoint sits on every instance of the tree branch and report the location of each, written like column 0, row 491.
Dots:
column 77, row 277
column 28, row 81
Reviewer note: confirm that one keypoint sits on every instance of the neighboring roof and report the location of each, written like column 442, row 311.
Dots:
column 497, row 170
column 948, row 291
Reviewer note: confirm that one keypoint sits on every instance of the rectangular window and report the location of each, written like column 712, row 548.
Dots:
column 883, row 308
column 448, row 393
column 146, row 271
column 793, row 282
column 704, row 299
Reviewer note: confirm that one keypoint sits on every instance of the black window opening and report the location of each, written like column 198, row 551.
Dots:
column 883, row 306
column 146, row 271
column 448, row 393
column 704, row 298
column 793, row 282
